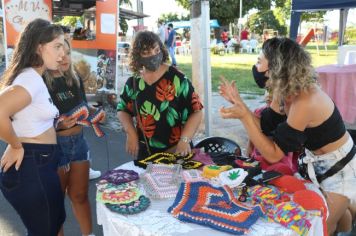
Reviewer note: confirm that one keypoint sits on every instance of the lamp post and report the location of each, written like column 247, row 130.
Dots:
column 240, row 19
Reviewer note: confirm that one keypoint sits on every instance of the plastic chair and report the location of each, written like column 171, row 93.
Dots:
column 219, row 144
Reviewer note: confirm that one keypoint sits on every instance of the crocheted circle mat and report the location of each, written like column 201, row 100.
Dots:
column 120, row 176
column 134, row 207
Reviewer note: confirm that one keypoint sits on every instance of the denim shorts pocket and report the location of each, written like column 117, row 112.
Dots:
column 10, row 179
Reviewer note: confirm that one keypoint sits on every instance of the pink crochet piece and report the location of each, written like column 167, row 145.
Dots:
column 161, row 181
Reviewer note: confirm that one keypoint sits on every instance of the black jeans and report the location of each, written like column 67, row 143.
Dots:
column 34, row 190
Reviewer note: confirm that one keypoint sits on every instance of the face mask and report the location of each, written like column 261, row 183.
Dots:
column 152, row 63
column 259, row 77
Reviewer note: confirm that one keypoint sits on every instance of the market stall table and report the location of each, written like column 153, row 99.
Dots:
column 157, row 221
column 339, row 82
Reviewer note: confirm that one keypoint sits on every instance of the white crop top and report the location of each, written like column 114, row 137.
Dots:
column 39, row 115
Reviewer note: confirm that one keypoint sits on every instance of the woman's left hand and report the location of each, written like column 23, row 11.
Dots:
column 102, row 121
column 238, row 110
column 183, row 148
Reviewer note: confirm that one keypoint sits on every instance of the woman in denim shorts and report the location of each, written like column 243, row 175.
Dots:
column 28, row 175
column 67, row 91
column 313, row 124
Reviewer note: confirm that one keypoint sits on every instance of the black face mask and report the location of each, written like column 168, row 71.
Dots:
column 152, row 63
column 259, row 77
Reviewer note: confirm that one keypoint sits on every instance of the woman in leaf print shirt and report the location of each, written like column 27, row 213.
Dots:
column 167, row 111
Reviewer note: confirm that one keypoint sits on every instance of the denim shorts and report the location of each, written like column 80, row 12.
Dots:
column 72, row 148
column 343, row 182
column 34, row 191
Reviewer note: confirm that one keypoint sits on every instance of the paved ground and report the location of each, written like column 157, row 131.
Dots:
column 109, row 152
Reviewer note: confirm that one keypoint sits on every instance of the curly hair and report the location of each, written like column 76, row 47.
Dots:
column 289, row 67
column 144, row 40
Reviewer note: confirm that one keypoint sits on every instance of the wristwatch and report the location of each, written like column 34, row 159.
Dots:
column 185, row 139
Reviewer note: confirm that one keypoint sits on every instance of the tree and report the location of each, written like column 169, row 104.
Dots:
column 259, row 21
column 122, row 21
column 173, row 17
column 226, row 11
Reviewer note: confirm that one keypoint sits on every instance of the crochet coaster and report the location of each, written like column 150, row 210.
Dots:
column 170, row 158
column 131, row 208
column 233, row 177
column 119, row 176
column 119, row 197
column 81, row 112
column 105, row 186
column 211, row 171
column 216, row 207
column 161, row 181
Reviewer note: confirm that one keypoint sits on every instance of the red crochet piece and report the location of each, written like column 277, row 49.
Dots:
column 310, row 200
column 288, row 183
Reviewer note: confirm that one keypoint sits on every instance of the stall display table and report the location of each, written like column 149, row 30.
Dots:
column 157, row 221
column 339, row 82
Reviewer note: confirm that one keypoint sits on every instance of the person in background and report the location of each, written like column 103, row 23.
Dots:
column 93, row 174
column 171, row 44
column 161, row 31
column 224, row 36
column 313, row 122
column 162, row 100
column 244, row 34
column 67, row 91
column 28, row 167
column 66, row 31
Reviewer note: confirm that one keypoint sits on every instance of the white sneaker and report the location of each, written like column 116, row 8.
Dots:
column 94, row 174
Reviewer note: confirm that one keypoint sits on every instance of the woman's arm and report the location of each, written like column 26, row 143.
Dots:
column 239, row 110
column 12, row 100
column 190, row 127
column 130, row 130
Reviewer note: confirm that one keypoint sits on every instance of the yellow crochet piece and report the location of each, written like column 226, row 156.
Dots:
column 211, row 171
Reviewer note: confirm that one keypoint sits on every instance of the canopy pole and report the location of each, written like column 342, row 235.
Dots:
column 342, row 25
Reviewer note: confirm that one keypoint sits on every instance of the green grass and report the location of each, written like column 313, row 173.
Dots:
column 238, row 67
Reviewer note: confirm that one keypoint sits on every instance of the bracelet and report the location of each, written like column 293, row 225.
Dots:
column 185, row 139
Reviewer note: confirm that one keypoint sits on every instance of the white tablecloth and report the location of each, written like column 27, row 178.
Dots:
column 157, row 221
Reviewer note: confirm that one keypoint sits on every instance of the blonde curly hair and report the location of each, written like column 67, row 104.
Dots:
column 289, row 65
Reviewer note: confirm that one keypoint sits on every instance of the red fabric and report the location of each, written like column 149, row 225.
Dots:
column 310, row 200
column 288, row 183
column 244, row 35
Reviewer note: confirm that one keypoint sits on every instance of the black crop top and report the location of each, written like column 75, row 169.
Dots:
column 290, row 139
column 270, row 120
column 64, row 97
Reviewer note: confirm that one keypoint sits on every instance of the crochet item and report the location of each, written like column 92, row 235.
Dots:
column 292, row 216
column 161, row 181
column 310, row 200
column 192, row 175
column 211, row 171
column 288, row 183
column 105, row 186
column 118, row 197
column 203, row 157
column 216, row 207
column 120, row 176
column 280, row 209
column 131, row 208
column 233, row 177
column 169, row 159
column 81, row 113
